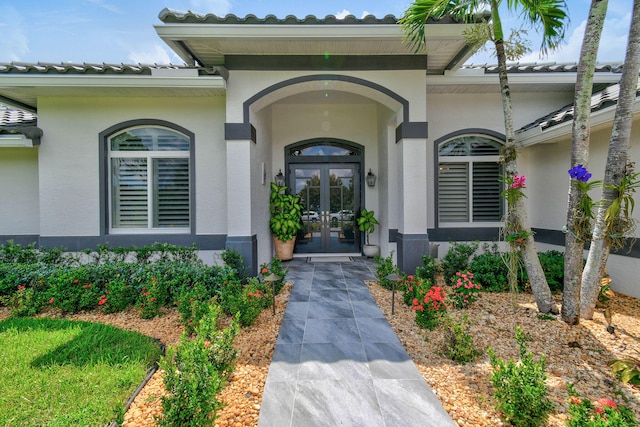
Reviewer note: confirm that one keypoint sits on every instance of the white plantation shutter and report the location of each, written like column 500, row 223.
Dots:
column 129, row 192
column 150, row 180
column 487, row 203
column 469, row 184
column 453, row 192
column 171, row 178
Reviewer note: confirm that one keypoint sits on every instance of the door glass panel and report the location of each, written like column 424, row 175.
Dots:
column 330, row 199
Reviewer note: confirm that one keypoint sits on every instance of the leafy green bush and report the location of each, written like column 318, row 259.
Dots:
column 118, row 295
column 458, row 258
column 603, row 413
column 195, row 371
column 234, row 260
column 520, row 390
column 385, row 267
column 410, row 288
column 553, row 265
column 429, row 269
column 249, row 302
column 458, row 342
column 22, row 303
column 490, row 271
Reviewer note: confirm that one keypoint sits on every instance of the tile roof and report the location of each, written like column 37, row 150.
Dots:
column 171, row 16
column 599, row 101
column 549, row 67
column 10, row 118
column 87, row 68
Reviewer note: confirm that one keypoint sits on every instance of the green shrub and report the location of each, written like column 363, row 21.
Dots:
column 118, row 295
column 490, row 271
column 12, row 252
column 385, row 267
column 195, row 371
column 553, row 265
column 520, row 390
column 234, row 260
column 429, row 269
column 410, row 288
column 458, row 342
column 23, row 303
column 458, row 258
column 603, row 413
column 193, row 304
column 249, row 302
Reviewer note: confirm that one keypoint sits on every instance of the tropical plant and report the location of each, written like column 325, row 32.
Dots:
column 549, row 16
column 367, row 223
column 286, row 213
column 627, row 370
column 618, row 179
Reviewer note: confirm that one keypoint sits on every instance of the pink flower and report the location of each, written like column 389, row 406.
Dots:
column 518, row 181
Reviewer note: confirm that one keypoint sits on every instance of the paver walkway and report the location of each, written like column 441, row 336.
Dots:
column 337, row 362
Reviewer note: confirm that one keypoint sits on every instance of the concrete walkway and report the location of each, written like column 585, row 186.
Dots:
column 337, row 362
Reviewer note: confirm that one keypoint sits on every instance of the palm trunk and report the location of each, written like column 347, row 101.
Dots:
column 539, row 286
column 574, row 245
column 615, row 170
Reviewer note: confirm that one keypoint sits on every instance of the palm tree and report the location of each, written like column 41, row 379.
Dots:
column 548, row 16
column 615, row 174
column 580, row 138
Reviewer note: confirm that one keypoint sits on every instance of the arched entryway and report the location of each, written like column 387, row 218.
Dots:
column 326, row 174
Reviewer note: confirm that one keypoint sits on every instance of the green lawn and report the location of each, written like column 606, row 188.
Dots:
column 57, row 372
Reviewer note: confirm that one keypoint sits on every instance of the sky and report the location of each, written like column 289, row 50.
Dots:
column 122, row 31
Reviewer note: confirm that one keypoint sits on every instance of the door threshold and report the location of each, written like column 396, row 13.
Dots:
column 322, row 255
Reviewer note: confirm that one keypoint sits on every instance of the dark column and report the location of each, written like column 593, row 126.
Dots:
column 411, row 247
column 248, row 248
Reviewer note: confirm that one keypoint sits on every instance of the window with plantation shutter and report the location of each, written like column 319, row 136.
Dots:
column 469, row 184
column 150, row 180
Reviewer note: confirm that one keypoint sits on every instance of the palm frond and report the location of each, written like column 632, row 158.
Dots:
column 548, row 17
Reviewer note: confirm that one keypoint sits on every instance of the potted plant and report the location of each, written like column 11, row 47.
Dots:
column 285, row 221
column 367, row 223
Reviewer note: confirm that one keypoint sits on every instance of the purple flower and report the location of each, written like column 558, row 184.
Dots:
column 580, row 173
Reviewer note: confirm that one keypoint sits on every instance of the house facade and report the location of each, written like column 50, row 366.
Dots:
column 135, row 154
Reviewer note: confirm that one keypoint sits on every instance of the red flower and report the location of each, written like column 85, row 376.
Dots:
column 265, row 270
column 41, row 280
column 153, row 298
column 146, row 294
column 51, row 301
column 144, row 288
column 191, row 300
column 21, row 287
column 207, row 344
column 603, row 403
column 102, row 301
column 415, row 301
column 76, row 281
column 87, row 286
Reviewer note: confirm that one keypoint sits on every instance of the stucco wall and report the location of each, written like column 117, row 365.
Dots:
column 19, row 205
column 68, row 157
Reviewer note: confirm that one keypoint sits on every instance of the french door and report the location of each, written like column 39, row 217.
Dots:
column 330, row 194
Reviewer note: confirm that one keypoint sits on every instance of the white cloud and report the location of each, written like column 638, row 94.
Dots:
column 156, row 54
column 365, row 13
column 106, row 6
column 217, row 7
column 14, row 42
column 343, row 14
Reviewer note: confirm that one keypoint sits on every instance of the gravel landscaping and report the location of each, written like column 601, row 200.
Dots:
column 577, row 355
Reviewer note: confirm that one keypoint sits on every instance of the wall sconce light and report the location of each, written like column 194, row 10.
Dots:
column 371, row 179
column 279, row 179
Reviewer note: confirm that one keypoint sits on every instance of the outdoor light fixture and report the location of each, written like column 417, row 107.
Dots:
column 371, row 179
column 279, row 178
column 273, row 278
column 395, row 278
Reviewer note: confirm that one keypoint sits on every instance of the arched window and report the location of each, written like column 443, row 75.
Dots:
column 469, row 184
column 150, row 179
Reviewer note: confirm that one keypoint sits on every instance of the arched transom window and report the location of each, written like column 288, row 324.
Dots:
column 149, row 174
column 469, row 184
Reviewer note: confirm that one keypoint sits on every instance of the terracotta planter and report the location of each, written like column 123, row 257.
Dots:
column 284, row 250
column 371, row 251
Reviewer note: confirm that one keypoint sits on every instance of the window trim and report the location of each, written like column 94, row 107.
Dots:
column 105, row 179
column 485, row 133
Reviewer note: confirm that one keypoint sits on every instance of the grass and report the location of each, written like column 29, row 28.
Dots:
column 58, row 372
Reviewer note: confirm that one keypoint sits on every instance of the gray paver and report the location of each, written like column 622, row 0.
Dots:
column 337, row 362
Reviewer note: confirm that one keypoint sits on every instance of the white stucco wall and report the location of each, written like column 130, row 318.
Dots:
column 19, row 201
column 68, row 157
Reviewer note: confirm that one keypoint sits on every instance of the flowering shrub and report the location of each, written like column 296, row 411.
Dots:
column 23, row 302
column 601, row 413
column 117, row 296
column 410, row 286
column 149, row 302
column 464, row 291
column 193, row 305
column 429, row 306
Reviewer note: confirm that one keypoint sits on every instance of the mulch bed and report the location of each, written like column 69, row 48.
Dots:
column 577, row 355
